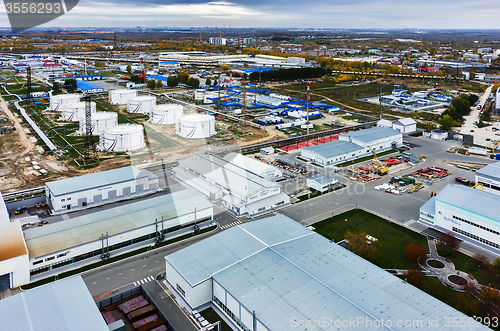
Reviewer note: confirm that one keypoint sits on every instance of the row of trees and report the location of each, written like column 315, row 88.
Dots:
column 289, row 74
column 460, row 107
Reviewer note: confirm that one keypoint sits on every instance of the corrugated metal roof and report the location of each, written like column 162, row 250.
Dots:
column 65, row 305
column 302, row 275
column 96, row 180
column 226, row 174
column 253, row 165
column 198, row 262
column 334, row 148
column 492, row 170
column 87, row 228
column 406, row 121
column 368, row 135
column 473, row 200
column 12, row 241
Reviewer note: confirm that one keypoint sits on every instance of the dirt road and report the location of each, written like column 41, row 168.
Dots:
column 25, row 141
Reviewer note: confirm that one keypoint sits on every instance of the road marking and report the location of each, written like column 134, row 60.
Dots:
column 107, row 277
column 157, row 261
column 144, row 265
column 141, row 282
column 135, row 284
column 132, row 270
column 121, row 273
column 94, row 283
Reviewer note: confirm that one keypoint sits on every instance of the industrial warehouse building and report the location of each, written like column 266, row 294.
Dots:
column 320, row 183
column 285, row 273
column 14, row 260
column 262, row 169
column 115, row 228
column 403, row 125
column 99, row 188
column 470, row 214
column 353, row 145
column 241, row 190
column 332, row 152
column 378, row 138
column 62, row 305
column 489, row 177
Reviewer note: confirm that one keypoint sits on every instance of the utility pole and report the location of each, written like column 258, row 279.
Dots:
column 307, row 107
column 380, row 98
column 218, row 92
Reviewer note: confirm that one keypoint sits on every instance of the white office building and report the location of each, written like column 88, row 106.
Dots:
column 273, row 273
column 99, row 188
column 489, row 177
column 470, row 214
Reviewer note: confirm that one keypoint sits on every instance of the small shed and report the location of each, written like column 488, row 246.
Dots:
column 267, row 150
column 320, row 183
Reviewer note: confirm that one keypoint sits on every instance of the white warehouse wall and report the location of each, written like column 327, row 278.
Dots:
column 71, row 252
column 18, row 267
column 57, row 203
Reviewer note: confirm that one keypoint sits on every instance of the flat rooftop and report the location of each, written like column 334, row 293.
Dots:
column 285, row 271
column 89, row 227
column 96, row 180
column 371, row 134
column 63, row 305
column 334, row 148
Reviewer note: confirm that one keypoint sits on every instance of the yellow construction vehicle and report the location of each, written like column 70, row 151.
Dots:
column 380, row 167
column 494, row 145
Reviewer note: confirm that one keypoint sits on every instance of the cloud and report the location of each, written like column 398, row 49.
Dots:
column 351, row 14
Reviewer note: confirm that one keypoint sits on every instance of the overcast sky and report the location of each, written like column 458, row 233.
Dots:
column 349, row 14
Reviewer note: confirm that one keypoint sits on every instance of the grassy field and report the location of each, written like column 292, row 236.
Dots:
column 472, row 266
column 392, row 237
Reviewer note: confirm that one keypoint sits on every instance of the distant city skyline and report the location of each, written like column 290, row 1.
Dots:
column 348, row 14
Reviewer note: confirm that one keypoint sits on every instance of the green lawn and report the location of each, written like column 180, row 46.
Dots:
column 472, row 266
column 211, row 316
column 392, row 237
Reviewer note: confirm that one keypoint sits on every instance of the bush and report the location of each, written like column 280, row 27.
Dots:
column 413, row 251
column 414, row 277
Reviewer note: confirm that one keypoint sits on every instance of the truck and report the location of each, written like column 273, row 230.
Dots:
column 463, row 181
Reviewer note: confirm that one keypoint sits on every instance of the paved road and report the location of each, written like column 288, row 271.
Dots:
column 398, row 208
column 480, row 134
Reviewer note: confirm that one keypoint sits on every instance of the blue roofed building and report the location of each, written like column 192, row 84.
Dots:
column 87, row 87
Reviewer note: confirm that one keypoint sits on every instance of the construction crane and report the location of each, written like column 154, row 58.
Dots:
column 380, row 167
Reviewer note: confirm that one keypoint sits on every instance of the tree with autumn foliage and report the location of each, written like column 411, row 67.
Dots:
column 490, row 296
column 360, row 245
column 414, row 277
column 448, row 238
column 413, row 251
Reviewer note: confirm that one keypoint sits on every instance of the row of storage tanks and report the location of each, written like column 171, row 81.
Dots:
column 116, row 137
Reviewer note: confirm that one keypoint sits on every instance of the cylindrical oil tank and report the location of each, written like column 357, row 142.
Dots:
column 100, row 121
column 142, row 104
column 197, row 126
column 57, row 102
column 121, row 96
column 169, row 113
column 76, row 111
column 123, row 137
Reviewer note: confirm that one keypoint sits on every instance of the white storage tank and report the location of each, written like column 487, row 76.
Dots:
column 100, row 121
column 76, row 111
column 57, row 102
column 169, row 113
column 142, row 104
column 121, row 96
column 123, row 137
column 197, row 126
